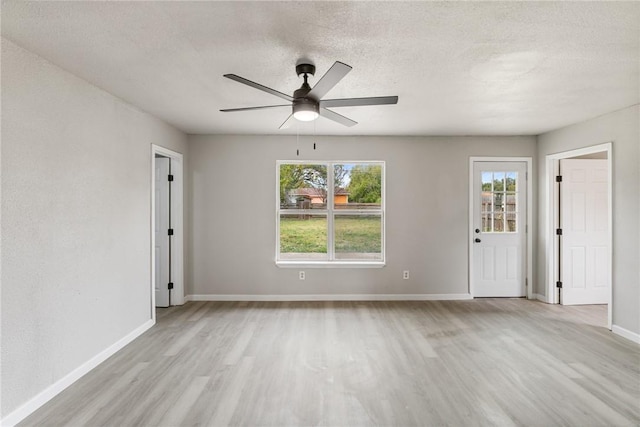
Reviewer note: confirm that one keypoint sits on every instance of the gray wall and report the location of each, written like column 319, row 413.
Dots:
column 427, row 179
column 622, row 128
column 76, row 257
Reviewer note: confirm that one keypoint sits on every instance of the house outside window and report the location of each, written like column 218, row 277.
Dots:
column 330, row 213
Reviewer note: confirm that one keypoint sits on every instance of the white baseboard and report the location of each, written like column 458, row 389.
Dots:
column 50, row 392
column 626, row 333
column 329, row 297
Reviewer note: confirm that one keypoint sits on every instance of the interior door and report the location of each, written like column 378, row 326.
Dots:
column 162, row 225
column 585, row 271
column 498, row 237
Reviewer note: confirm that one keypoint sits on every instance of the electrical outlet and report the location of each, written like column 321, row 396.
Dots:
column 405, row 274
column 301, row 275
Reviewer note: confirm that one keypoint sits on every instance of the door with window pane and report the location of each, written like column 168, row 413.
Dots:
column 498, row 237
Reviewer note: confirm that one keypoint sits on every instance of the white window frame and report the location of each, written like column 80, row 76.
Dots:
column 331, row 262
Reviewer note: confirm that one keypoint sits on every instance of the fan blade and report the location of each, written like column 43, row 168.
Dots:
column 287, row 123
column 357, row 102
column 331, row 78
column 259, row 86
column 231, row 110
column 331, row 115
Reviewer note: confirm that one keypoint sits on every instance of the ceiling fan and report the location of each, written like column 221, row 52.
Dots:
column 307, row 103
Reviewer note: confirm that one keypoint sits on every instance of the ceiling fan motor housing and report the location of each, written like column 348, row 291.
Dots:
column 305, row 69
column 304, row 108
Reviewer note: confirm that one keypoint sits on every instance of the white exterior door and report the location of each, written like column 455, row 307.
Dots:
column 162, row 245
column 584, row 267
column 498, row 236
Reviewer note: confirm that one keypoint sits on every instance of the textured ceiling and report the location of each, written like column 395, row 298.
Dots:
column 459, row 68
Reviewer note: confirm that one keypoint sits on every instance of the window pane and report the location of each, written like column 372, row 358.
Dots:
column 308, row 209
column 499, row 198
column 510, row 202
column 486, row 222
column 498, row 202
column 303, row 237
column 511, row 178
column 498, row 222
column 357, row 186
column 358, row 237
column 487, row 202
column 303, row 186
column 511, row 209
column 487, row 178
column 498, row 181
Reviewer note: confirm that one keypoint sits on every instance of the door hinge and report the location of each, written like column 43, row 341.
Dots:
column 170, row 232
column 559, row 231
column 558, row 284
column 559, row 178
column 170, row 285
column 170, row 177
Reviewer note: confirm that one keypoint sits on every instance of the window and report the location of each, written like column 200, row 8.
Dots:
column 499, row 209
column 330, row 213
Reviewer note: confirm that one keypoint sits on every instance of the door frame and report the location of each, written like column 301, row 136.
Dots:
column 177, row 223
column 552, row 165
column 528, row 221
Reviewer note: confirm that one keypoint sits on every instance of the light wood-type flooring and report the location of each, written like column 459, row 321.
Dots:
column 433, row 363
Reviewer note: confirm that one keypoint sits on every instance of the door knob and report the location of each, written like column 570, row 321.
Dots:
column 477, row 230
column 478, row 240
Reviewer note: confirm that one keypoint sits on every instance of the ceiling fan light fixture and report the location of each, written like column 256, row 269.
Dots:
column 305, row 116
column 305, row 111
column 307, row 101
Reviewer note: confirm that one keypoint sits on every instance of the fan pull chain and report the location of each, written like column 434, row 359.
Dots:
column 314, row 134
column 298, row 139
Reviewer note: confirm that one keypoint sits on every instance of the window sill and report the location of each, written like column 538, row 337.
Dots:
column 330, row 264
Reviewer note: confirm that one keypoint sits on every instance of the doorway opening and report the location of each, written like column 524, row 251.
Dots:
column 167, row 229
column 579, row 221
